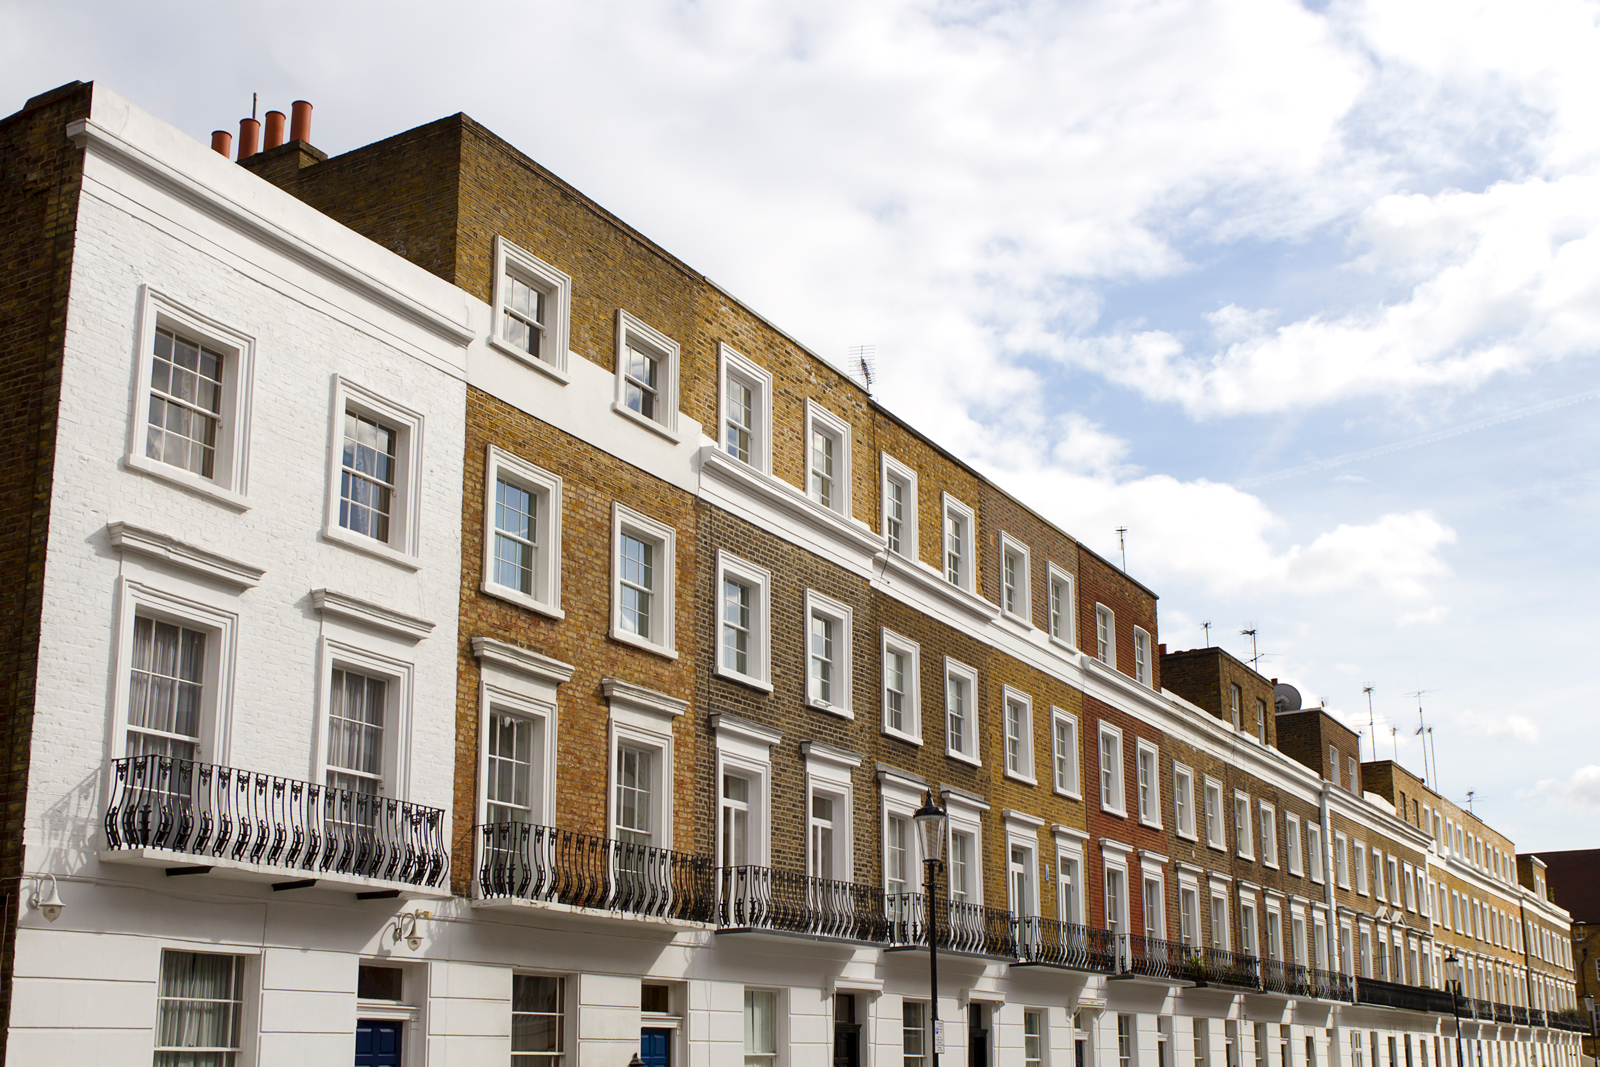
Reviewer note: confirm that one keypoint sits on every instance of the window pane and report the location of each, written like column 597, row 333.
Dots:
column 366, row 487
column 200, row 1007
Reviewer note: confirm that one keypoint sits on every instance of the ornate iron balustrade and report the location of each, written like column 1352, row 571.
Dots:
column 1331, row 985
column 1478, row 1009
column 768, row 898
column 962, row 927
column 223, row 813
column 1059, row 944
column 1155, row 958
column 1219, row 966
column 1502, row 1013
column 1519, row 1015
column 526, row 861
column 1409, row 997
column 1290, row 979
column 1535, row 1017
column 1567, row 1020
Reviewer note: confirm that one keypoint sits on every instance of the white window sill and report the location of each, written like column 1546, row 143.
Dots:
column 748, row 680
column 1020, row 620
column 359, row 542
column 901, row 735
column 1061, row 642
column 1269, row 865
column 1025, row 779
column 642, row 645
column 1069, row 794
column 186, row 480
column 1216, row 846
column 1246, row 856
column 1121, row 813
column 551, row 370
column 1154, row 824
column 957, row 754
column 842, row 711
column 521, row 600
column 1189, row 837
column 650, row 424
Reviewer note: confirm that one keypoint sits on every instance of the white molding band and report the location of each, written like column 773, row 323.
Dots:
column 192, row 558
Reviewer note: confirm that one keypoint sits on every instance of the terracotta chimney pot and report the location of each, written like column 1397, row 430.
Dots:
column 275, row 121
column 249, row 131
column 222, row 143
column 300, row 123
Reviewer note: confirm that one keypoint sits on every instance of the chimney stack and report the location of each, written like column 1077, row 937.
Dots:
column 222, row 143
column 249, row 130
column 300, row 124
column 275, row 120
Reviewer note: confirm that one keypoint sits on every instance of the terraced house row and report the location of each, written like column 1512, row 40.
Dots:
column 443, row 627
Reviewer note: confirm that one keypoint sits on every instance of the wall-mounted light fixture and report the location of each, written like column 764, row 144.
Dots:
column 405, row 927
column 49, row 905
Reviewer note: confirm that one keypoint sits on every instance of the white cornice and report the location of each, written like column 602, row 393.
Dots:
column 521, row 660
column 745, row 730
column 930, row 581
column 366, row 613
column 639, row 698
column 192, row 558
column 1021, row 819
column 774, row 492
column 1070, row 833
column 825, row 753
column 213, row 202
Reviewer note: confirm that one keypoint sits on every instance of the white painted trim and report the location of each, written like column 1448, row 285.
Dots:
column 664, row 614
column 546, row 488
column 1025, row 770
column 967, row 560
column 818, row 417
column 911, row 705
column 191, row 558
column 733, row 363
column 759, row 579
column 405, row 517
column 838, row 537
column 1011, row 546
column 669, row 360
column 492, row 652
column 889, row 467
column 332, row 654
column 556, row 286
column 366, row 613
column 817, row 604
column 972, row 735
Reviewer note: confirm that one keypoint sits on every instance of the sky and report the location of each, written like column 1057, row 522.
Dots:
column 1304, row 295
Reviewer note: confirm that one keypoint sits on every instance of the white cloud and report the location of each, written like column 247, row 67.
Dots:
column 1581, row 790
column 1516, row 726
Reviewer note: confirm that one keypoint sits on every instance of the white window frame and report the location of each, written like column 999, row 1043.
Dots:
column 512, row 682
column 892, row 470
column 1267, row 822
column 397, row 674
column 556, row 285
column 1189, row 910
column 911, row 699
column 1243, row 836
column 966, row 569
column 1062, row 627
column 230, row 480
column 136, row 599
column 545, row 487
column 1219, row 895
column 1072, row 786
column 1314, row 851
column 1151, row 874
column 1015, row 698
column 970, row 752
column 1022, row 834
column 759, row 652
column 825, row 607
column 663, row 614
column 643, row 719
column 1212, row 789
column 1143, row 671
column 247, row 971
column 779, row 1015
column 1105, row 619
column 733, row 364
column 1070, row 870
column 901, row 797
column 1262, row 729
column 1249, row 932
column 966, row 817
column 744, row 750
column 1359, row 852
column 1183, row 791
column 1116, row 863
column 633, row 332
column 1017, row 553
column 1291, row 841
column 1236, row 705
column 1113, row 788
column 1149, row 813
column 405, row 513
column 820, row 420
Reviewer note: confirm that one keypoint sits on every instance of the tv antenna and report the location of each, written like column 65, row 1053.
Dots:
column 1207, row 625
column 864, row 361
column 1422, row 732
column 1255, row 657
column 1372, row 727
column 1470, row 794
column 1122, row 542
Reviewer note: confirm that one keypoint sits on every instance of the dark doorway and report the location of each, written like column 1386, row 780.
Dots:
column 377, row 1043
column 655, row 1047
column 977, row 1036
column 846, row 1031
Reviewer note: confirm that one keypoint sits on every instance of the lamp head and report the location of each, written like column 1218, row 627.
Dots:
column 636, row 1061
column 931, row 820
column 50, row 905
column 1452, row 968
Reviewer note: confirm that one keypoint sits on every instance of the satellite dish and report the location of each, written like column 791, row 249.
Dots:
column 1286, row 697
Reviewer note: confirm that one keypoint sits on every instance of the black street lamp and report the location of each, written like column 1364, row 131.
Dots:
column 1588, row 1006
column 931, row 819
column 1452, row 971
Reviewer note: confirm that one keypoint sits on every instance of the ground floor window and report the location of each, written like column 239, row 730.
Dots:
column 760, row 1028
column 914, row 1033
column 200, row 1010
column 1032, row 1038
column 538, row 1020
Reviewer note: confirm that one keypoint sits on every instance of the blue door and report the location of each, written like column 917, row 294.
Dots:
column 377, row 1043
column 655, row 1047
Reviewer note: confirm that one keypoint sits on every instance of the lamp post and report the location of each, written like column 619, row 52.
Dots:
column 931, row 819
column 1452, row 971
column 1588, row 1007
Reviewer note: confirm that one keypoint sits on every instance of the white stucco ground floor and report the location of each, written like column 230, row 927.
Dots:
column 145, row 967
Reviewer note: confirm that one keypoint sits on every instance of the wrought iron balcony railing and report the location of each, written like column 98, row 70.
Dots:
column 526, row 861
column 1219, row 966
column 1536, row 1017
column 1478, row 1009
column 1502, row 1013
column 1519, row 1015
column 962, row 927
column 768, row 898
column 1331, row 985
column 1068, row 945
column 1152, row 957
column 223, row 813
column 1290, row 979
column 1567, row 1020
column 1409, row 997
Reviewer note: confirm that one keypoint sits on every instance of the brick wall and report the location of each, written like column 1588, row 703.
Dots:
column 1204, row 677
column 1306, row 736
column 40, row 178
